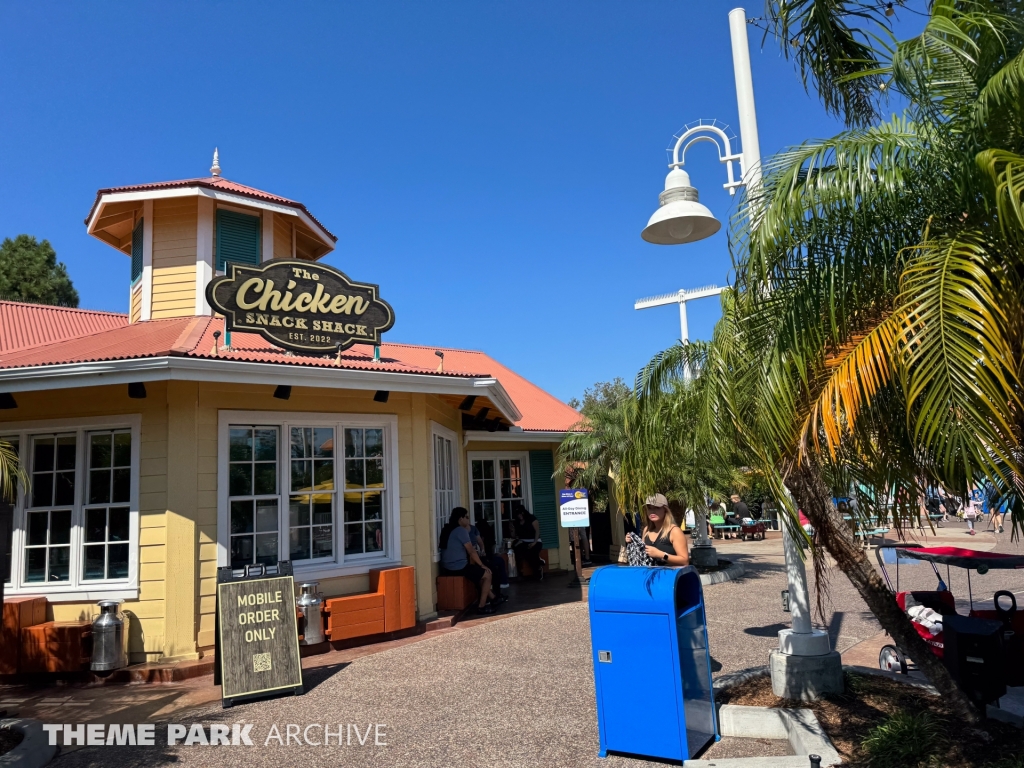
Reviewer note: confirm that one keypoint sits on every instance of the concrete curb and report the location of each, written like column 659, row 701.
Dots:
column 34, row 750
column 734, row 571
column 735, row 678
column 924, row 685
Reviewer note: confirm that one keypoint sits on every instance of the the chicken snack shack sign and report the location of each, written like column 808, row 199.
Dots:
column 300, row 305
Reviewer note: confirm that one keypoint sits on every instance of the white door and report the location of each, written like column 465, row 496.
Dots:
column 496, row 484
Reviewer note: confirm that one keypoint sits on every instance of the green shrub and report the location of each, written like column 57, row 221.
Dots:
column 903, row 740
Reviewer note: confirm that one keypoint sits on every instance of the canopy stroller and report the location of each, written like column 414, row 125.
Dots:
column 926, row 608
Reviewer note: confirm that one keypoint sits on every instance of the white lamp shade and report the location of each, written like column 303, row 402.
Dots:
column 681, row 218
column 681, row 221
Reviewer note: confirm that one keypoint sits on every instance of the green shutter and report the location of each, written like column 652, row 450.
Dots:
column 545, row 506
column 137, row 252
column 238, row 238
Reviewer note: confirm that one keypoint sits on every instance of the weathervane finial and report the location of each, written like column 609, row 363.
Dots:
column 215, row 168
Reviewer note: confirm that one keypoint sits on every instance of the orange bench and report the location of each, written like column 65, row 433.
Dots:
column 19, row 612
column 390, row 605
column 56, row 646
column 455, row 593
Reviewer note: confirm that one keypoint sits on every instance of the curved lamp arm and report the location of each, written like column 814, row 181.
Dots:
column 699, row 133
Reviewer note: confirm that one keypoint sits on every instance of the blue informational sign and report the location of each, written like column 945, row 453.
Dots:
column 574, row 508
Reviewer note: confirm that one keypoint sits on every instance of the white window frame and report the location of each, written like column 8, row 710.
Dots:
column 439, row 517
column 340, row 564
column 76, row 589
column 524, row 459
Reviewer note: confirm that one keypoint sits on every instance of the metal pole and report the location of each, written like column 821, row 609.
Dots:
column 684, row 335
column 799, row 597
column 745, row 98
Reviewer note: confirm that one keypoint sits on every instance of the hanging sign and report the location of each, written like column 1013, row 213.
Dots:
column 258, row 638
column 574, row 508
column 300, row 305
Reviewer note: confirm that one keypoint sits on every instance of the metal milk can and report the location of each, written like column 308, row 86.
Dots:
column 109, row 638
column 310, row 602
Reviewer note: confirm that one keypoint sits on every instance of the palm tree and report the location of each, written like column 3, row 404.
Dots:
column 875, row 334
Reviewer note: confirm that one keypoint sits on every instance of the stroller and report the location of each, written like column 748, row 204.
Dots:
column 941, row 601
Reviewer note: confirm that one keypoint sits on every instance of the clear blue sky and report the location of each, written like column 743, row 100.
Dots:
column 489, row 164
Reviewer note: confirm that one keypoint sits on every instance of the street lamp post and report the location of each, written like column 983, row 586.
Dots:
column 680, row 298
column 804, row 666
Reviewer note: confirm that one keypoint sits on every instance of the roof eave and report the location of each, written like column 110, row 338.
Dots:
column 168, row 367
column 105, row 197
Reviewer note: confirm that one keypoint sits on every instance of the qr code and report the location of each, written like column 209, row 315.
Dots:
column 261, row 662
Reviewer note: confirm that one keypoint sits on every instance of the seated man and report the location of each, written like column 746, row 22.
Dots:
column 482, row 536
column 460, row 558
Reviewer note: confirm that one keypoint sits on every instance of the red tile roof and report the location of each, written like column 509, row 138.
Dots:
column 193, row 337
column 26, row 325
column 210, row 182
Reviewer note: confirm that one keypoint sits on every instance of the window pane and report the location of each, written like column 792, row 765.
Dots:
column 353, row 442
column 266, row 548
column 353, row 507
column 375, row 473
column 117, row 561
column 100, row 452
column 353, row 539
column 266, row 515
column 323, row 442
column 478, row 470
column 266, row 445
column 37, row 524
column 265, row 479
column 298, row 511
column 241, row 551
column 302, row 475
column 43, row 455
column 323, row 541
column 323, row 475
column 35, row 565
column 42, row 489
column 240, row 480
column 302, row 442
column 488, row 470
column 322, row 513
column 66, row 452
column 93, row 567
column 99, row 486
column 123, row 449
column 64, row 488
column 60, row 526
column 60, row 563
column 374, row 537
column 95, row 526
column 118, row 525
column 374, row 442
column 373, row 506
column 242, row 516
column 241, row 445
column 122, row 485
column 299, row 544
column 354, row 477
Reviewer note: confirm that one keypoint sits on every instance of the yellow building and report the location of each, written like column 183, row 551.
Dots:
column 162, row 444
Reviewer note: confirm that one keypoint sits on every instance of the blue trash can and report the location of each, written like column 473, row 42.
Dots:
column 650, row 644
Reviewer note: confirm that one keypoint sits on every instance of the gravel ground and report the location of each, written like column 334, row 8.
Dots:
column 515, row 692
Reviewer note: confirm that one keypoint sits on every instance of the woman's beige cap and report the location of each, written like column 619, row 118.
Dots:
column 657, row 500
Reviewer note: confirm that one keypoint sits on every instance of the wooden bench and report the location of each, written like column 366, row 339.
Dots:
column 455, row 593
column 56, row 646
column 389, row 606
column 19, row 612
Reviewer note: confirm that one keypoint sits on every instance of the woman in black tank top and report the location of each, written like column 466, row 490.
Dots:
column 666, row 542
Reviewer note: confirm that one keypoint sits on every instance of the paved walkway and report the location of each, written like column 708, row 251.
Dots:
column 513, row 692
